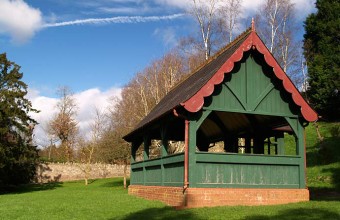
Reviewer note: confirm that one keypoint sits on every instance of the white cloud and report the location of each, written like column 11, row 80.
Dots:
column 303, row 7
column 183, row 4
column 19, row 20
column 86, row 100
column 167, row 35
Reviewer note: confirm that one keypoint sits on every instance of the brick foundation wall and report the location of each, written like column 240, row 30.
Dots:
column 249, row 197
column 201, row 197
column 172, row 196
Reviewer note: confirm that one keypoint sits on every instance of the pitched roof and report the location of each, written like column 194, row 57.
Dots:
column 191, row 92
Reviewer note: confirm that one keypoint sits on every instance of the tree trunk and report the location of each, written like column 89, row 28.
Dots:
column 316, row 125
column 49, row 153
column 125, row 174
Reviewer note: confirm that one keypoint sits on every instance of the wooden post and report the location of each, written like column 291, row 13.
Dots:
column 248, row 145
column 300, row 150
column 134, row 147
column 258, row 144
column 192, row 151
column 164, row 150
column 186, row 155
column 146, row 152
column 280, row 144
column 164, row 135
column 147, row 143
column 231, row 144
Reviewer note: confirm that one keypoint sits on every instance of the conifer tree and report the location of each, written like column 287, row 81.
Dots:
column 322, row 52
column 18, row 156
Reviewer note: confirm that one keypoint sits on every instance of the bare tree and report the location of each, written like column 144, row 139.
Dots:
column 113, row 148
column 88, row 149
column 64, row 125
column 229, row 14
column 276, row 25
column 205, row 12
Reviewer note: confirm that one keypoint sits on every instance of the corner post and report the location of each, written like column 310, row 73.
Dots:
column 300, row 150
column 192, row 151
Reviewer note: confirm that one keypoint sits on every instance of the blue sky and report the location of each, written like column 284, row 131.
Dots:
column 56, row 44
column 90, row 55
column 100, row 55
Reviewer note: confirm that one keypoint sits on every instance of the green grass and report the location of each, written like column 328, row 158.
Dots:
column 323, row 157
column 106, row 198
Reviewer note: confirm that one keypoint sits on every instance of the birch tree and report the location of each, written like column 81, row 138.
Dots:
column 205, row 12
column 276, row 25
column 229, row 14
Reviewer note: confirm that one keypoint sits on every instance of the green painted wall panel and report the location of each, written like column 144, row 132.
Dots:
column 173, row 171
column 274, row 103
column 247, row 158
column 226, row 99
column 174, row 174
column 153, row 175
column 233, row 175
column 257, row 82
column 136, row 177
column 238, row 83
column 250, row 90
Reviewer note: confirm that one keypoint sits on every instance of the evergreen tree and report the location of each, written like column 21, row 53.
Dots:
column 322, row 52
column 18, row 157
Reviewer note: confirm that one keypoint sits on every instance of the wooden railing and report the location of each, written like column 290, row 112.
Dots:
column 163, row 171
column 225, row 170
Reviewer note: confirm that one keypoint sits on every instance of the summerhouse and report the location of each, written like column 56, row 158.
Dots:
column 242, row 101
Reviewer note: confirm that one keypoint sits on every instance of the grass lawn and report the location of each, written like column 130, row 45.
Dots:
column 106, row 198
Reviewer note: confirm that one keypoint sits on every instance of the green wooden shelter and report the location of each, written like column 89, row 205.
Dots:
column 242, row 100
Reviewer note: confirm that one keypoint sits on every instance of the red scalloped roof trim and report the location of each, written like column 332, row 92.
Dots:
column 196, row 102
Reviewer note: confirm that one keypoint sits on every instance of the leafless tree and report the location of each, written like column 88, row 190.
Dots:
column 64, row 125
column 88, row 149
column 112, row 146
column 276, row 25
column 205, row 12
column 229, row 13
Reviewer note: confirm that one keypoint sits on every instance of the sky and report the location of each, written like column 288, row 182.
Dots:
column 94, row 47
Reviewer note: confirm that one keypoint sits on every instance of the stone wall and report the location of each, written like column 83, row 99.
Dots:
column 55, row 172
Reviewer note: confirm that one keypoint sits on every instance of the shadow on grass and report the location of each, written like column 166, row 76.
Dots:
column 335, row 177
column 116, row 182
column 90, row 181
column 327, row 152
column 166, row 213
column 300, row 213
column 29, row 188
column 324, row 194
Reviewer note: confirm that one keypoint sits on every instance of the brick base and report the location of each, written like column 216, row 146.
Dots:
column 201, row 197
